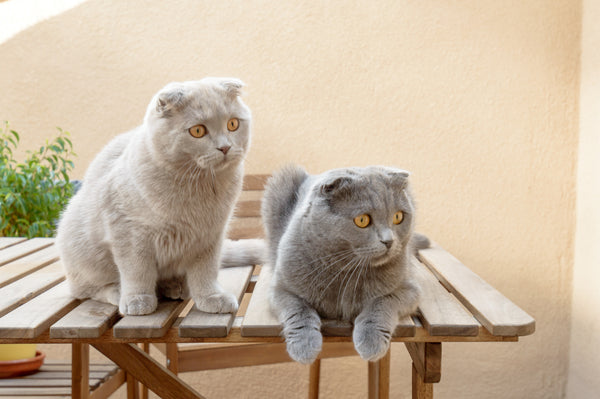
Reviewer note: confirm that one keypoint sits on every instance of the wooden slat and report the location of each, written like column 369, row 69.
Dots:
column 441, row 312
column 24, row 248
column 255, row 182
column 63, row 374
column 238, row 233
column 88, row 320
column 53, row 366
column 34, row 317
column 427, row 359
column 154, row 325
column 21, row 291
column 27, row 264
column 202, row 324
column 6, row 242
column 493, row 310
column 247, row 209
column 259, row 319
column 22, row 391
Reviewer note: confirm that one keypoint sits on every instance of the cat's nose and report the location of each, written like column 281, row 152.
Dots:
column 224, row 149
column 387, row 243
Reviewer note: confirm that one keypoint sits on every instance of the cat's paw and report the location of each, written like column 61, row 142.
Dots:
column 371, row 340
column 222, row 302
column 137, row 305
column 304, row 345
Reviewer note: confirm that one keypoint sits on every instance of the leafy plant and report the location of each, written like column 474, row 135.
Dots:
column 33, row 192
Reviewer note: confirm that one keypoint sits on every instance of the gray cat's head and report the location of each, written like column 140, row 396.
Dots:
column 203, row 122
column 368, row 211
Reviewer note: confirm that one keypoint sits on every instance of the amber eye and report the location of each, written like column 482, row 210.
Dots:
column 198, row 131
column 398, row 217
column 362, row 221
column 233, row 124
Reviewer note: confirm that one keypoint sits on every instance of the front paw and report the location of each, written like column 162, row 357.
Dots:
column 221, row 302
column 371, row 341
column 304, row 344
column 138, row 304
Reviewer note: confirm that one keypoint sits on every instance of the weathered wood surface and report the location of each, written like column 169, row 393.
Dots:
column 88, row 320
column 202, row 324
column 492, row 309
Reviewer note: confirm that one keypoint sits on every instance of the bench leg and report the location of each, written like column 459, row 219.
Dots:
column 379, row 378
column 80, row 371
column 314, row 379
column 420, row 389
column 426, row 369
column 144, row 389
column 172, row 354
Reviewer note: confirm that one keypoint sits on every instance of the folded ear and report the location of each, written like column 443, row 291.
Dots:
column 233, row 87
column 398, row 178
column 171, row 97
column 336, row 188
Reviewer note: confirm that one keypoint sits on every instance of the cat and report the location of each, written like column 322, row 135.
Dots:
column 340, row 244
column 151, row 214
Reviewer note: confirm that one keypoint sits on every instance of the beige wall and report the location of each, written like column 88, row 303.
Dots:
column 477, row 98
column 584, row 369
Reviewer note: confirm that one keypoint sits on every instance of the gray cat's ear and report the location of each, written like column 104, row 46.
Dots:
column 170, row 98
column 340, row 186
column 399, row 178
column 233, row 87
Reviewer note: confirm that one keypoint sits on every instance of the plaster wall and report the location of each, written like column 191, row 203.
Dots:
column 584, row 369
column 477, row 98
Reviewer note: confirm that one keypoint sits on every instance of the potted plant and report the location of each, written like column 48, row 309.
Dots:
column 32, row 195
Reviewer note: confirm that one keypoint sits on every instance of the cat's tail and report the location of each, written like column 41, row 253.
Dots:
column 279, row 202
column 243, row 252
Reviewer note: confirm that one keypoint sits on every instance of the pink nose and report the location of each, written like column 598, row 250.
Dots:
column 224, row 150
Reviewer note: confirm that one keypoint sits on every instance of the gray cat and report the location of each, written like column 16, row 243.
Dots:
column 152, row 211
column 340, row 244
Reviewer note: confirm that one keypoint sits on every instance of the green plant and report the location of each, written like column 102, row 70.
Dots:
column 33, row 192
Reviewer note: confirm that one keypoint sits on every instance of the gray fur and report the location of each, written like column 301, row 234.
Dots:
column 152, row 212
column 327, row 267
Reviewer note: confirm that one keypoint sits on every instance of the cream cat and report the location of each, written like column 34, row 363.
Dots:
column 152, row 211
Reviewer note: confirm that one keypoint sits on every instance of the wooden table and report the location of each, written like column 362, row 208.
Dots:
column 35, row 307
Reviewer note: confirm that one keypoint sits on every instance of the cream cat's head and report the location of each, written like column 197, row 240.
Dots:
column 202, row 124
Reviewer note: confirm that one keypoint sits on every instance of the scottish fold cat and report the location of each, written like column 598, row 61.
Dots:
column 154, row 204
column 340, row 244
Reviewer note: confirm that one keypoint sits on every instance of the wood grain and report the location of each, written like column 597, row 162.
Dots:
column 440, row 311
column 260, row 319
column 24, row 248
column 27, row 264
column 247, row 209
column 36, row 316
column 147, row 370
column 255, row 182
column 492, row 309
column 88, row 320
column 153, row 325
column 28, row 287
column 427, row 359
column 202, row 324
column 6, row 242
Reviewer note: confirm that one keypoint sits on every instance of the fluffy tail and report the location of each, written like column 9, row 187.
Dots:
column 279, row 202
column 243, row 252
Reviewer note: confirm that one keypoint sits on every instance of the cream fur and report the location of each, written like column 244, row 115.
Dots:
column 155, row 202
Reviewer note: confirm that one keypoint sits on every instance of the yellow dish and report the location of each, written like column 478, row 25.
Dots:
column 16, row 351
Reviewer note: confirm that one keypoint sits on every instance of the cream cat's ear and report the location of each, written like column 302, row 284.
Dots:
column 171, row 97
column 233, row 86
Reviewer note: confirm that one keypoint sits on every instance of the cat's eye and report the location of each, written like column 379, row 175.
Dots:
column 398, row 217
column 198, row 131
column 233, row 124
column 362, row 221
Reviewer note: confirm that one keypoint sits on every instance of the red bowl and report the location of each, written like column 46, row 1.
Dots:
column 13, row 368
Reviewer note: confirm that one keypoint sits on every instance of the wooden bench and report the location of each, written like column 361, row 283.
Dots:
column 458, row 306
